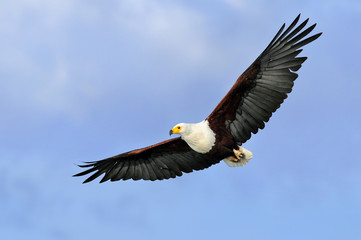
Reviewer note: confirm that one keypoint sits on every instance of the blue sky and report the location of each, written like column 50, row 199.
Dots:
column 85, row 80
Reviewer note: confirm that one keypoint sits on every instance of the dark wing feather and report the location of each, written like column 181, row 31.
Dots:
column 261, row 89
column 164, row 160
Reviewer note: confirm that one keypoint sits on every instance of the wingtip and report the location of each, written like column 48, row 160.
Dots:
column 319, row 34
column 282, row 27
column 295, row 21
column 316, row 36
column 79, row 175
column 87, row 180
column 104, row 179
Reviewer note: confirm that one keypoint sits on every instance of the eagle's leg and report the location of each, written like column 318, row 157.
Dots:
column 233, row 159
column 241, row 157
column 238, row 155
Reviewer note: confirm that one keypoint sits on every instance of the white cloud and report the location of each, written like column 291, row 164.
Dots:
column 39, row 61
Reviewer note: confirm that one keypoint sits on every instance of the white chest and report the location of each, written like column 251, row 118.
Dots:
column 200, row 137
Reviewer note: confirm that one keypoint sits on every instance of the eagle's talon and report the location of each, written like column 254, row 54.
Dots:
column 233, row 159
column 238, row 153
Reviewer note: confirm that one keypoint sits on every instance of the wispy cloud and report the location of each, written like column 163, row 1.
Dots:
column 170, row 27
column 38, row 35
column 34, row 64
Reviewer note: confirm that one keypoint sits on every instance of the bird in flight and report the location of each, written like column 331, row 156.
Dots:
column 256, row 94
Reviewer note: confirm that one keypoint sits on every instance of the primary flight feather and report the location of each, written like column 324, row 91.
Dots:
column 257, row 93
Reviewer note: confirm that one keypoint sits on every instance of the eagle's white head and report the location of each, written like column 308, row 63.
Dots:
column 198, row 136
column 180, row 128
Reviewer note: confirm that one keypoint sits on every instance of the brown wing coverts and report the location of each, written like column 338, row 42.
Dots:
column 163, row 161
column 267, row 91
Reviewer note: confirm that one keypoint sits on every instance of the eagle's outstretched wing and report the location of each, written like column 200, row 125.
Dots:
column 260, row 90
column 164, row 160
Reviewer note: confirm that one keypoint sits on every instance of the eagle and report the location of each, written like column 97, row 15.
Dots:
column 248, row 105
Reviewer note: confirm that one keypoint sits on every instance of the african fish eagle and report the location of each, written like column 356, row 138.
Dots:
column 256, row 94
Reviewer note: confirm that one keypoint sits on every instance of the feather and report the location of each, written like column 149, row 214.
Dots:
column 292, row 25
column 274, row 72
column 183, row 163
column 259, row 108
column 252, row 120
column 235, row 133
column 130, row 173
column 284, row 52
column 307, row 40
column 274, row 87
column 162, row 167
column 267, row 97
column 156, row 169
column 152, row 175
column 112, row 171
column 275, row 102
column 269, row 79
column 256, row 112
column 292, row 63
column 138, row 173
column 100, row 170
column 302, row 34
column 271, row 93
column 283, row 43
column 171, row 164
column 145, row 173
column 267, row 105
column 247, row 122
column 278, row 61
column 271, row 44
column 121, row 172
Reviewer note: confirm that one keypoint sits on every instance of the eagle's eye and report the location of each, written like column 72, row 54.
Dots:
column 178, row 127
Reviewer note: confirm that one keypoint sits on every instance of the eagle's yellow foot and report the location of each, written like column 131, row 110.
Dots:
column 238, row 153
column 233, row 159
column 240, row 157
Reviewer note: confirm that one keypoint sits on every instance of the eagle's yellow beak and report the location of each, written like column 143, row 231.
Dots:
column 176, row 129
